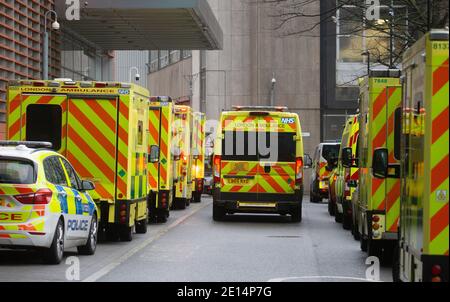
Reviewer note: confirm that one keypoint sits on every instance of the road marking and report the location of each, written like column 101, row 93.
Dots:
column 119, row 260
column 321, row 277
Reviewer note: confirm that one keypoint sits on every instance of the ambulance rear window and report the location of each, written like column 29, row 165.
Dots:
column 330, row 151
column 44, row 123
column 16, row 172
column 258, row 146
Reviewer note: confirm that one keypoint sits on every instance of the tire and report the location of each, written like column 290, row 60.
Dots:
column 363, row 243
column 91, row 244
column 337, row 215
column 374, row 249
column 112, row 233
column 218, row 213
column 180, row 203
column 355, row 231
column 396, row 264
column 197, row 197
column 141, row 226
column 54, row 254
column 346, row 220
column 296, row 214
column 125, row 233
column 188, row 202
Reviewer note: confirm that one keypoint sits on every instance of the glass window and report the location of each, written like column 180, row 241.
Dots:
column 256, row 146
column 75, row 181
column 163, row 58
column 350, row 34
column 16, row 172
column 54, row 172
column 44, row 123
column 330, row 151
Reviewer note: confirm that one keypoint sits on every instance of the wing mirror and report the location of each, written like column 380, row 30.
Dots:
column 153, row 157
column 87, row 185
column 381, row 167
column 347, row 158
column 307, row 161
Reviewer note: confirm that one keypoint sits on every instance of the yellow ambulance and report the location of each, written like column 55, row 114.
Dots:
column 198, row 155
column 258, row 162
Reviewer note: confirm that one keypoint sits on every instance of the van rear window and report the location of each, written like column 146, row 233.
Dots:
column 16, row 172
column 44, row 123
column 330, row 151
column 258, row 146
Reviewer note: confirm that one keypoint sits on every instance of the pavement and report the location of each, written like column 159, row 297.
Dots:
column 192, row 247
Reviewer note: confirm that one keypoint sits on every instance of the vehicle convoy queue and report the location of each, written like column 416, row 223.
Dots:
column 389, row 183
column 139, row 156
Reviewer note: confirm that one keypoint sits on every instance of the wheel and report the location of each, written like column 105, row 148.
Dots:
column 346, row 220
column 374, row 248
column 355, row 231
column 188, row 201
column 125, row 233
column 337, row 215
column 396, row 264
column 112, row 233
column 180, row 203
column 218, row 213
column 296, row 214
column 162, row 218
column 363, row 243
column 91, row 244
column 54, row 254
column 330, row 207
column 141, row 226
column 197, row 197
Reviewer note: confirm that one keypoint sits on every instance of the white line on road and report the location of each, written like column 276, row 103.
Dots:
column 320, row 277
column 118, row 261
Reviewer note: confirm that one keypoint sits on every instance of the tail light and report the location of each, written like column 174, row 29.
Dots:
column 42, row 196
column 123, row 213
column 217, row 163
column 436, row 271
column 299, row 170
column 163, row 199
column 376, row 218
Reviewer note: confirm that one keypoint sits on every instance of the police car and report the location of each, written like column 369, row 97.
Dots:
column 43, row 203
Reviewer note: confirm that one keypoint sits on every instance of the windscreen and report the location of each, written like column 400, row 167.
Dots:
column 16, row 172
column 258, row 146
column 330, row 151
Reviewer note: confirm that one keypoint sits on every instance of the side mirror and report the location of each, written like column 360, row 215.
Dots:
column 153, row 157
column 87, row 185
column 380, row 163
column 347, row 157
column 307, row 161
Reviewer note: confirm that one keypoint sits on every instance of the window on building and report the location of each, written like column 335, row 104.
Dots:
column 163, row 58
column 174, row 56
column 350, row 34
column 154, row 60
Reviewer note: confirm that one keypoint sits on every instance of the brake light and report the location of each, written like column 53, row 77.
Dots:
column 217, row 163
column 39, row 84
column 376, row 218
column 42, row 196
column 299, row 170
column 100, row 85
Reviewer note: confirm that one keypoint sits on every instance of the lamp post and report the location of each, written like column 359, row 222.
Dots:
column 272, row 90
column 367, row 54
column 55, row 26
column 136, row 74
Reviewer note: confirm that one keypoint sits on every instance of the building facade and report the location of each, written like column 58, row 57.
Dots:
column 256, row 50
column 21, row 43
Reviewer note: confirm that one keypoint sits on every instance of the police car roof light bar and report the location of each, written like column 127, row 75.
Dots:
column 29, row 144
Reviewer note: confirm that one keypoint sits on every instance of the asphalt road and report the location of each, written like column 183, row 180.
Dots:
column 192, row 247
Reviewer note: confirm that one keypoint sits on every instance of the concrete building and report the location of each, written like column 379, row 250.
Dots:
column 254, row 52
column 83, row 48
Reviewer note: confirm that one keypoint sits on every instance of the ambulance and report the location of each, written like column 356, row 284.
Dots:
column 101, row 128
column 258, row 162
column 198, row 155
column 182, row 168
column 378, row 203
column 347, row 177
column 422, row 251
column 324, row 153
column 161, row 161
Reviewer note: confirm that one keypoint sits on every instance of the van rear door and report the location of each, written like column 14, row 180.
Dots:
column 92, row 141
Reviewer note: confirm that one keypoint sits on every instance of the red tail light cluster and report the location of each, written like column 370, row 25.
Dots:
column 217, row 163
column 163, row 199
column 123, row 213
column 42, row 196
column 436, row 271
column 299, row 170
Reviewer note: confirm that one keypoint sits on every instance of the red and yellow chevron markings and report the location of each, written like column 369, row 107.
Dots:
column 154, row 129
column 439, row 183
